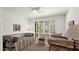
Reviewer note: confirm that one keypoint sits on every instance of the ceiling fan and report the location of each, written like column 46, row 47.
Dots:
column 35, row 9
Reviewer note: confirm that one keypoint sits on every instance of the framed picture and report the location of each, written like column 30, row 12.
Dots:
column 16, row 27
column 71, row 23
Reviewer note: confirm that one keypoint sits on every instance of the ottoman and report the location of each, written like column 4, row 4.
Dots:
column 41, row 42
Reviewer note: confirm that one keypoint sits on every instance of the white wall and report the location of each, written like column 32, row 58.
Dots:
column 11, row 18
column 72, row 14
column 60, row 24
column 31, row 27
column 1, row 27
column 14, row 18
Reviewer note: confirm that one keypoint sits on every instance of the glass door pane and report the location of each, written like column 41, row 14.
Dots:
column 36, row 27
column 41, row 26
column 46, row 27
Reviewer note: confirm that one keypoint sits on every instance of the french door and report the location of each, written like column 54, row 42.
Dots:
column 44, row 28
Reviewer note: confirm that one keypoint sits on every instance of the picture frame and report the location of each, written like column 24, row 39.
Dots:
column 16, row 27
column 71, row 23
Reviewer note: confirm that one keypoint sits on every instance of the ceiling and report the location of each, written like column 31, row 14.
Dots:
column 43, row 11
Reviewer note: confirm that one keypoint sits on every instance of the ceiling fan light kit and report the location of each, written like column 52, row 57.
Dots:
column 35, row 9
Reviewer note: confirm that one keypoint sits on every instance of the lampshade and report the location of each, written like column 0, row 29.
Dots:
column 72, row 32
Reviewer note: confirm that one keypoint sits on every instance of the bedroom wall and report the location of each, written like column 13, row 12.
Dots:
column 1, row 27
column 60, row 22
column 11, row 18
column 72, row 14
